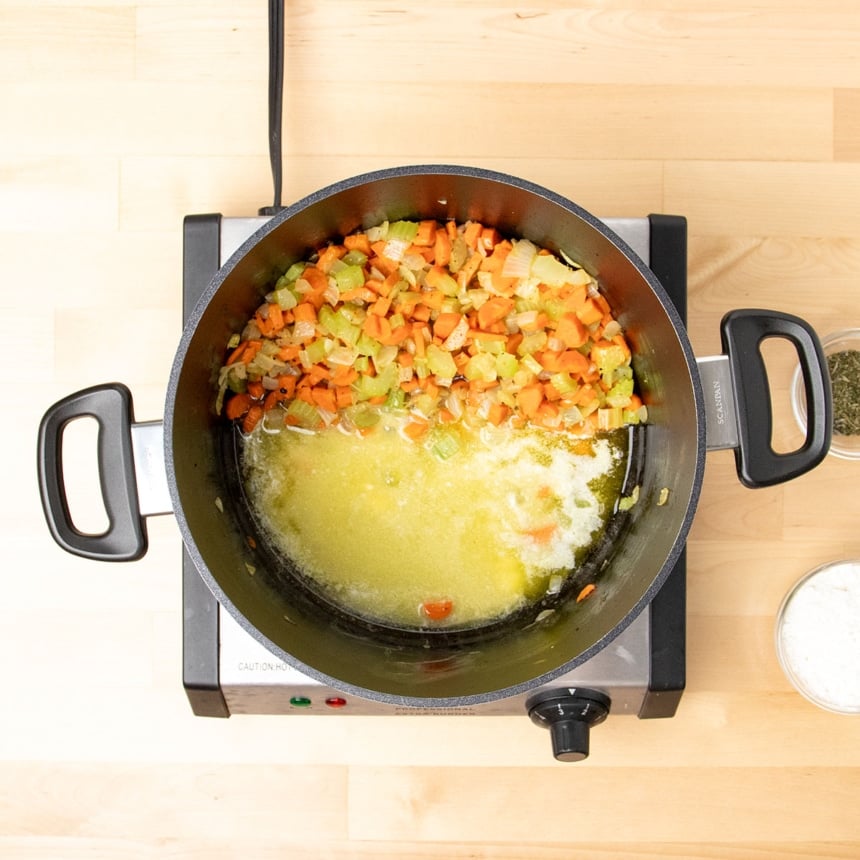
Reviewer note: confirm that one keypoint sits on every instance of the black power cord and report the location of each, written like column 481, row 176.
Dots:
column 276, row 98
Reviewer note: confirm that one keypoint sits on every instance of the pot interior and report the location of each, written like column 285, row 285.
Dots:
column 426, row 668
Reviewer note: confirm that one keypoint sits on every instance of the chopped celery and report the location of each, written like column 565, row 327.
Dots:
column 627, row 502
column 292, row 274
column 338, row 324
column 532, row 364
column 441, row 362
column 459, row 254
column 609, row 418
column 506, row 365
column 349, row 278
column 235, row 340
column 554, row 273
column 354, row 258
column 318, row 350
column 534, row 341
column 554, row 307
column 563, row 383
column 396, row 398
column 236, row 384
column 425, row 404
column 367, row 345
column 262, row 362
column 285, row 298
column 620, row 393
column 363, row 415
column 608, row 358
column 448, row 285
column 367, row 387
column 406, row 230
column 444, row 443
column 303, row 414
column 481, row 366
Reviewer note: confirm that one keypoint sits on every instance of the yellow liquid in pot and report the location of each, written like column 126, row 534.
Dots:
column 385, row 528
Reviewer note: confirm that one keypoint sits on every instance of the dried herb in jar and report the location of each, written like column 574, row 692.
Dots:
column 844, row 369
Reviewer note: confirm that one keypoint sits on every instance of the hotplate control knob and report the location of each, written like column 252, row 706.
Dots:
column 568, row 713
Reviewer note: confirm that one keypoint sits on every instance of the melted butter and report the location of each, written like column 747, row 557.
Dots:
column 382, row 525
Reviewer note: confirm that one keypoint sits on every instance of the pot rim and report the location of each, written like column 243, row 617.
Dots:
column 504, row 180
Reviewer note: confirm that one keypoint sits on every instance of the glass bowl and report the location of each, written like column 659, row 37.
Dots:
column 843, row 444
column 818, row 636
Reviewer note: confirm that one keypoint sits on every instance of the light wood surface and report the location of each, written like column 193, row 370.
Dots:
column 118, row 118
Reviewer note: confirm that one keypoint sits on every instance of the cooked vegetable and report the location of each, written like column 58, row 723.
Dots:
column 439, row 322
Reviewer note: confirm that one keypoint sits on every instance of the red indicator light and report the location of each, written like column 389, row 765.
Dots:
column 335, row 702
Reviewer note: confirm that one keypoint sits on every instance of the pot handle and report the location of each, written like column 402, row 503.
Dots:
column 111, row 406
column 742, row 333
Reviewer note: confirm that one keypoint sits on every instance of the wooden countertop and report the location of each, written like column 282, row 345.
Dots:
column 119, row 118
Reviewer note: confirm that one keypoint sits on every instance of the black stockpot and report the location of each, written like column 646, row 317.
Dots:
column 429, row 669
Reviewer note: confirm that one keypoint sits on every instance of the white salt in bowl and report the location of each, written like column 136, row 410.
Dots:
column 818, row 636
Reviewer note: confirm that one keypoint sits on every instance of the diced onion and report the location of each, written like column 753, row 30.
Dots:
column 519, row 261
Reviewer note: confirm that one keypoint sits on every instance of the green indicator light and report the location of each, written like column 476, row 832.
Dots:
column 300, row 702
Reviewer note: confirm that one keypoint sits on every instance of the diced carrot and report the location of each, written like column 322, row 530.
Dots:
column 489, row 238
column 478, row 334
column 342, row 376
column 497, row 413
column 377, row 327
column 305, row 312
column 590, row 312
column 324, row 398
column 381, row 306
column 415, row 429
column 434, row 299
column 445, row 324
column 329, row 255
column 316, row 278
column 494, row 309
column 529, row 399
column 574, row 362
column 571, row 330
column 252, row 347
column 317, row 373
column 237, row 406
column 358, row 242
column 575, row 297
column 343, row 396
column 426, row 235
column 287, row 385
column 418, row 340
column 421, row 313
column 439, row 278
column 396, row 336
column 547, row 413
column 252, row 417
column 471, row 233
column 236, row 354
column 436, row 610
column 468, row 271
column 358, row 294
column 542, row 534
column 442, row 248
column 586, row 592
column 255, row 389
column 290, row 352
